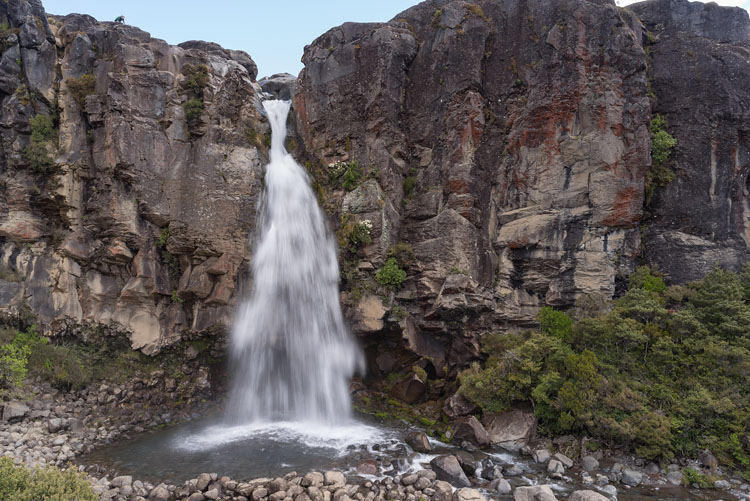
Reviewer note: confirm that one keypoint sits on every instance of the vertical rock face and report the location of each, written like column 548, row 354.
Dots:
column 700, row 74
column 140, row 217
column 524, row 126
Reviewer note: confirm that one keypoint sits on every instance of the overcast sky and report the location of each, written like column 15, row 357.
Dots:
column 273, row 32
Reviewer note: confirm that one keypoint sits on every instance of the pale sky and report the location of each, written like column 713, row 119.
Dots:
column 273, row 32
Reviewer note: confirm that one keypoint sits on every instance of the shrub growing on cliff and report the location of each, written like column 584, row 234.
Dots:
column 662, row 380
column 352, row 175
column 662, row 141
column 193, row 111
column 43, row 137
column 390, row 275
column 20, row 484
column 80, row 87
column 196, row 77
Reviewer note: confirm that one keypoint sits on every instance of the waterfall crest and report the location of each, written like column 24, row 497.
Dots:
column 293, row 352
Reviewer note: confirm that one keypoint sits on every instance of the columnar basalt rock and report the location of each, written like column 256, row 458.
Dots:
column 699, row 66
column 522, row 129
column 140, row 217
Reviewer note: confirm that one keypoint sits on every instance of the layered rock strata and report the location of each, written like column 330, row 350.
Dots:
column 134, row 211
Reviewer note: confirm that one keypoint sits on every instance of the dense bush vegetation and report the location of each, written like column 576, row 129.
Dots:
column 662, row 144
column 665, row 371
column 64, row 367
column 19, row 484
column 43, row 138
column 390, row 275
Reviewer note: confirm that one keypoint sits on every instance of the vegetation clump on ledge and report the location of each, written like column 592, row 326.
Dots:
column 665, row 372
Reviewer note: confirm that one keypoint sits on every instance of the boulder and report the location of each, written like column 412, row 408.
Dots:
column 335, row 478
column 419, row 441
column 466, row 494
column 443, row 491
column 589, row 463
column 534, row 493
column 15, row 411
column 675, row 477
column 159, row 493
column 510, row 430
column 587, row 496
column 541, row 455
column 409, row 389
column 467, row 461
column 632, row 478
column 449, row 470
column 457, row 406
column 469, row 428
column 501, row 485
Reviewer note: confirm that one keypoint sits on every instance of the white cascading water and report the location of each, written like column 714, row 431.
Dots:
column 293, row 352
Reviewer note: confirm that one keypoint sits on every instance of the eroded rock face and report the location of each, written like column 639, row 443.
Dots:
column 519, row 130
column 141, row 220
column 699, row 69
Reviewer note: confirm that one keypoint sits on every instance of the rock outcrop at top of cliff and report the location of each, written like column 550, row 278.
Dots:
column 508, row 144
column 134, row 210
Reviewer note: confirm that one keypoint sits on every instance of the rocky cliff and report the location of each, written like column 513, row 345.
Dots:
column 499, row 149
column 507, row 143
column 699, row 69
column 130, row 173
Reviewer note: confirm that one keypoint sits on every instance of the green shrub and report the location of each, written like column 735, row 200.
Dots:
column 193, row 110
column 43, row 484
column 13, row 360
column 390, row 275
column 555, row 323
column 352, row 175
column 409, row 184
column 43, row 137
column 360, row 234
column 22, row 94
column 196, row 77
column 80, row 87
column 662, row 142
column 642, row 278
column 661, row 380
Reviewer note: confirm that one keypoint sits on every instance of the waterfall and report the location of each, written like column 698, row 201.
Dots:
column 293, row 353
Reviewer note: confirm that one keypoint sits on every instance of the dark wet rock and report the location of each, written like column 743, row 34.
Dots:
column 696, row 57
column 467, row 461
column 418, row 441
column 449, row 470
column 469, row 428
column 457, row 405
column 280, row 86
column 410, row 389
